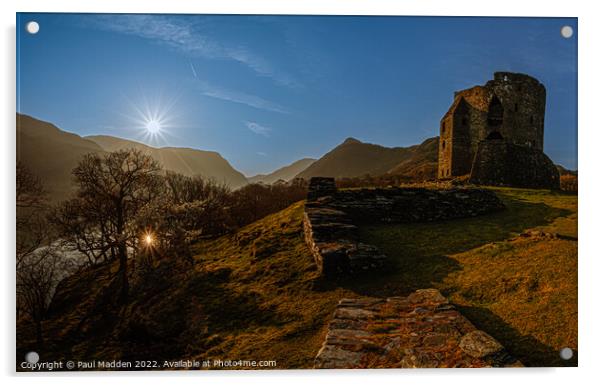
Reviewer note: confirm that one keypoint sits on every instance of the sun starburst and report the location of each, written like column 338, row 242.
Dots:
column 152, row 119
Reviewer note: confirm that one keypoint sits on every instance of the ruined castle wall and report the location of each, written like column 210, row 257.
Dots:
column 445, row 147
column 408, row 205
column 500, row 163
column 511, row 109
column 330, row 221
column 478, row 99
column 461, row 152
column 524, row 102
column 466, row 120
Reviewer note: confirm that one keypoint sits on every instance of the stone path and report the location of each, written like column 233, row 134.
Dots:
column 422, row 330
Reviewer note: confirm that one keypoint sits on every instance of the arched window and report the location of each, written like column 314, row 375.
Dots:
column 495, row 116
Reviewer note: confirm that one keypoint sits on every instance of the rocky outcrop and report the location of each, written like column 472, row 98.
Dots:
column 422, row 330
column 331, row 218
column 499, row 163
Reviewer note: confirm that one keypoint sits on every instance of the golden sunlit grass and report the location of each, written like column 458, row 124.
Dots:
column 256, row 294
column 523, row 290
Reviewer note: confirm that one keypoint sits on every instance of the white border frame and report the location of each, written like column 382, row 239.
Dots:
column 589, row 140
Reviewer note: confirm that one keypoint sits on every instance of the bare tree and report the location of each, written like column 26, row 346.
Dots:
column 255, row 201
column 37, row 277
column 39, row 267
column 102, row 220
column 31, row 227
column 90, row 234
column 193, row 207
column 30, row 191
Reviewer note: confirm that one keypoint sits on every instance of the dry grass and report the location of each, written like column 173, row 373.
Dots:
column 252, row 295
column 256, row 294
column 523, row 290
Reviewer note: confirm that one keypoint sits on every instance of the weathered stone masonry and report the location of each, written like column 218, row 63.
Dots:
column 494, row 134
column 422, row 330
column 419, row 331
column 331, row 218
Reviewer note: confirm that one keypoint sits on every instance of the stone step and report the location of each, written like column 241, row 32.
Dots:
column 421, row 330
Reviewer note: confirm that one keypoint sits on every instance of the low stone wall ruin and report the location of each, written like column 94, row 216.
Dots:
column 331, row 218
column 422, row 330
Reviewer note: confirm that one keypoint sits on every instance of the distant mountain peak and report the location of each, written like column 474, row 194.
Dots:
column 351, row 140
column 354, row 158
column 285, row 173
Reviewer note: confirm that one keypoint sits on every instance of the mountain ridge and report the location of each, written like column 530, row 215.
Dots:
column 285, row 173
column 187, row 161
column 52, row 153
column 353, row 158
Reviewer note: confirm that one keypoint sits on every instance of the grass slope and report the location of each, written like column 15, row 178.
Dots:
column 523, row 291
column 252, row 295
column 256, row 294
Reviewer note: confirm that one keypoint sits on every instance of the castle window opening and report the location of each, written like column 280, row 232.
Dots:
column 494, row 135
column 495, row 116
column 443, row 144
column 515, row 107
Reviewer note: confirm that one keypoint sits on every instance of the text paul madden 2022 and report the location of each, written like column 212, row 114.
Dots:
column 148, row 364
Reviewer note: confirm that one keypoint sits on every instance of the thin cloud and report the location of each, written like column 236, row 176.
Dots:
column 258, row 129
column 261, row 153
column 240, row 97
column 193, row 70
column 183, row 34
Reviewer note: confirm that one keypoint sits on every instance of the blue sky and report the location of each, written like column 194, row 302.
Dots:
column 265, row 91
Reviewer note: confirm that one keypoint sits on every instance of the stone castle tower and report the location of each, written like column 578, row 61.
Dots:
column 494, row 134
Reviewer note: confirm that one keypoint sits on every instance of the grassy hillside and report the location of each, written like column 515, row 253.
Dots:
column 250, row 295
column 256, row 294
column 422, row 164
column 51, row 153
column 520, row 289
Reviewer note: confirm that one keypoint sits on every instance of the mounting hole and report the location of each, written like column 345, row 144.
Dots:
column 32, row 27
column 566, row 353
column 566, row 31
column 32, row 357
